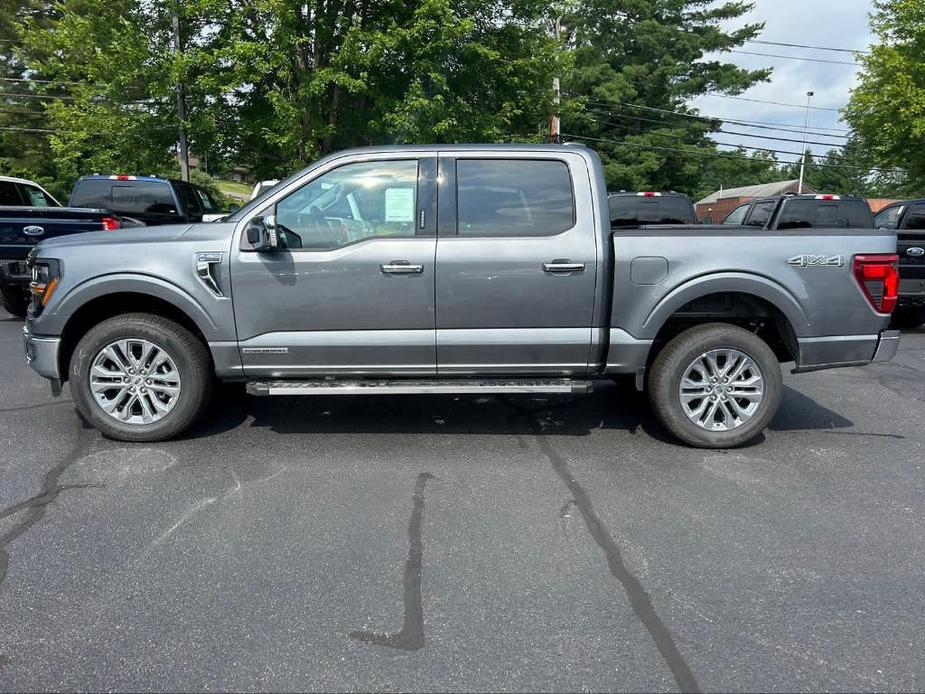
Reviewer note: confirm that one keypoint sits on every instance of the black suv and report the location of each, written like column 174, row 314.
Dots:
column 149, row 199
column 628, row 210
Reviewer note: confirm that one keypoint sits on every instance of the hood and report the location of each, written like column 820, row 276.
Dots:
column 135, row 236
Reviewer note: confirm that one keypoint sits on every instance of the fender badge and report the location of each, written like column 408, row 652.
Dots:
column 817, row 261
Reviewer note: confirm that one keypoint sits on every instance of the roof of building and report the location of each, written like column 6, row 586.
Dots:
column 759, row 191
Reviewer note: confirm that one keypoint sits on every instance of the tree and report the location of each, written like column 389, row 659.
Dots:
column 887, row 109
column 634, row 64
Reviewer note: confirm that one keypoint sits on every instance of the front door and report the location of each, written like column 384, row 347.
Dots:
column 350, row 291
column 516, row 264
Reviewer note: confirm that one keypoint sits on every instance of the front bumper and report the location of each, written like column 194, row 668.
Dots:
column 42, row 354
column 15, row 272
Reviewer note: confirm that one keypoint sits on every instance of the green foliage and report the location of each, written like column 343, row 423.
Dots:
column 887, row 108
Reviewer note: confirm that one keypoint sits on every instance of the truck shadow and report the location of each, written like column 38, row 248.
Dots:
column 608, row 407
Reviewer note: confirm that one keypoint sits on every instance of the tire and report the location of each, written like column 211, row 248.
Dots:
column 187, row 366
column 677, row 359
column 908, row 318
column 15, row 300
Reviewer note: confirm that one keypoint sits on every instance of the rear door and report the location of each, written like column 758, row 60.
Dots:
column 516, row 263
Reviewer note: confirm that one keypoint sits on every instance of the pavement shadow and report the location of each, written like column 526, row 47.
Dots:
column 799, row 412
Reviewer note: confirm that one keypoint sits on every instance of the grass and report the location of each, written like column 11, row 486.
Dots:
column 241, row 191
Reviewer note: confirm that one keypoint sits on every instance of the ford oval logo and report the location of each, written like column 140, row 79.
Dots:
column 915, row 251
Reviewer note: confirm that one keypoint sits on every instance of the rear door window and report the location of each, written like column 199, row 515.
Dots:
column 36, row 197
column 760, row 214
column 888, row 218
column 514, row 197
column 9, row 194
column 143, row 198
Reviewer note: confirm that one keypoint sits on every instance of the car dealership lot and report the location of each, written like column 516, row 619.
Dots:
column 565, row 543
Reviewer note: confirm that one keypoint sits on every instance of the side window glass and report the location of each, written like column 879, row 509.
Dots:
column 889, row 218
column 916, row 218
column 35, row 197
column 188, row 198
column 760, row 215
column 514, row 197
column 737, row 216
column 9, row 196
column 349, row 204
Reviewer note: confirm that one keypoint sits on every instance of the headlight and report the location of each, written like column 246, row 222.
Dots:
column 46, row 273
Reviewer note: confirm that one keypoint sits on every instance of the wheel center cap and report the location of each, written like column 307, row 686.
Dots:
column 719, row 390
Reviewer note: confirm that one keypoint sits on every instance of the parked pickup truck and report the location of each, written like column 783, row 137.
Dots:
column 453, row 269
column 650, row 207
column 907, row 219
column 786, row 212
column 28, row 214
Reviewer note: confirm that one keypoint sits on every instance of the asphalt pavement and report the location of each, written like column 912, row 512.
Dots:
column 466, row 543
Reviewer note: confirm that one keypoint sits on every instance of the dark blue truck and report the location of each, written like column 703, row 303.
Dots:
column 29, row 214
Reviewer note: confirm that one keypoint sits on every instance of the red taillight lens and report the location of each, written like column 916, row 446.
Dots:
column 878, row 276
column 111, row 224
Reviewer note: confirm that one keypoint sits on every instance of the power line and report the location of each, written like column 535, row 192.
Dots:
column 710, row 153
column 774, row 103
column 803, row 45
column 762, row 125
column 794, row 57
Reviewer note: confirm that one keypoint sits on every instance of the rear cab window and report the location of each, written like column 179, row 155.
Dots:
column 825, row 214
column 148, row 197
column 633, row 210
column 92, row 192
column 514, row 197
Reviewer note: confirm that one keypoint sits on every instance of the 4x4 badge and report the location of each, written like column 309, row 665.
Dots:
column 817, row 261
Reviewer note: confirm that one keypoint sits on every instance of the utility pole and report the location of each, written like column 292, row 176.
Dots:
column 181, row 101
column 809, row 98
column 555, row 127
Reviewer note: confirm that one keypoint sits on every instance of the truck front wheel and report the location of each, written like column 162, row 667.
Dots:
column 715, row 386
column 140, row 377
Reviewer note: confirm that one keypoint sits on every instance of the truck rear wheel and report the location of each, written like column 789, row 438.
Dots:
column 715, row 386
column 140, row 377
column 15, row 300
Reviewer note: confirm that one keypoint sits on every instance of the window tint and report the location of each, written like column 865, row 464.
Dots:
column 513, row 197
column 824, row 214
column 349, row 204
column 631, row 210
column 760, row 214
column 91, row 193
column 9, row 195
column 916, row 218
column 737, row 216
column 36, row 197
column 208, row 204
column 188, row 198
column 143, row 198
column 888, row 218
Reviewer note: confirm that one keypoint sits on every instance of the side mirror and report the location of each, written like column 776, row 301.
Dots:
column 260, row 234
column 233, row 207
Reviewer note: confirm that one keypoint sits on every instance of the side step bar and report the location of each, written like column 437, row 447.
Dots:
column 409, row 387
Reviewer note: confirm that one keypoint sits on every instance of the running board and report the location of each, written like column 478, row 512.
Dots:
column 409, row 387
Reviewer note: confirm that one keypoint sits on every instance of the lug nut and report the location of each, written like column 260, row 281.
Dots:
column 126, row 380
column 145, row 390
column 148, row 381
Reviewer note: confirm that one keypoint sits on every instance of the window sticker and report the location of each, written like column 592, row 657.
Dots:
column 399, row 205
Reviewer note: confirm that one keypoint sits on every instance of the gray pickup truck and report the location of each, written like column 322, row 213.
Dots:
column 453, row 269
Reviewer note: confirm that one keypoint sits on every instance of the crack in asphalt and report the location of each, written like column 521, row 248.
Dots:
column 41, row 405
column 638, row 598
column 411, row 635
column 36, row 506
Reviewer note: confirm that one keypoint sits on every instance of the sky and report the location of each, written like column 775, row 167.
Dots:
column 833, row 23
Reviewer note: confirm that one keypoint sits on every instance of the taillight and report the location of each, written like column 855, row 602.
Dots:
column 878, row 276
column 111, row 224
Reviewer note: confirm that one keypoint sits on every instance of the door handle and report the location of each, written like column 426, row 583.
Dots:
column 33, row 230
column 400, row 267
column 563, row 266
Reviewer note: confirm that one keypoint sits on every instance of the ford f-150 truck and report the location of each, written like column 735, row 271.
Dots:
column 907, row 219
column 453, row 269
column 808, row 211
column 28, row 214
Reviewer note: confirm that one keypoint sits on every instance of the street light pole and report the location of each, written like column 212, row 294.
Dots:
column 809, row 98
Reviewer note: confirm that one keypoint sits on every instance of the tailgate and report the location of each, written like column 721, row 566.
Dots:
column 23, row 227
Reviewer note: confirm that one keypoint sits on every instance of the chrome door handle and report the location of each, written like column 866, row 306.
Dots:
column 563, row 266
column 400, row 267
